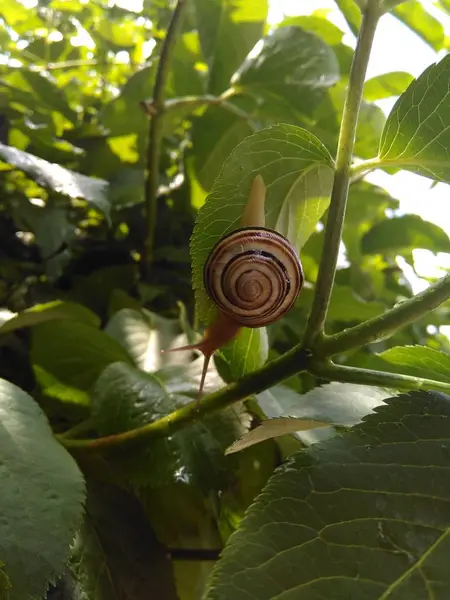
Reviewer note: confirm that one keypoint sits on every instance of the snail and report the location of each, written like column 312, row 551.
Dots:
column 253, row 275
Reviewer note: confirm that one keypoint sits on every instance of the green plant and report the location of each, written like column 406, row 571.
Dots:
column 317, row 458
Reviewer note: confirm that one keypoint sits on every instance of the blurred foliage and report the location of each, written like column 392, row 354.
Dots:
column 75, row 77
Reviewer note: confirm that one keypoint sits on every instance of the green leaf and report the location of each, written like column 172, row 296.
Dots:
column 418, row 19
column 247, row 352
column 293, row 64
column 59, row 179
column 418, row 361
column 351, row 14
column 403, row 234
column 39, row 313
column 143, row 335
column 298, row 173
column 116, row 554
column 364, row 515
column 41, row 499
column 68, row 356
column 417, row 133
column 49, row 94
column 320, row 26
column 214, row 135
column 273, row 428
column 387, row 85
column 5, row 584
column 228, row 30
column 125, row 398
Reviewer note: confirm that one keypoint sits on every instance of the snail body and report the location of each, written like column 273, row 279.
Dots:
column 253, row 275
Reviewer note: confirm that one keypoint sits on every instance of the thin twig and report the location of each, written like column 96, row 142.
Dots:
column 333, row 232
column 156, row 130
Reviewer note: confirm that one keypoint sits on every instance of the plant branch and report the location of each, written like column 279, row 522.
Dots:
column 386, row 324
column 156, row 130
column 294, row 361
column 396, row 381
column 336, row 213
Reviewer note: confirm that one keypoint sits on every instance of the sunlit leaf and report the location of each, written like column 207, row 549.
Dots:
column 228, row 30
column 418, row 361
column 414, row 15
column 39, row 313
column 41, row 499
column 416, row 136
column 387, row 85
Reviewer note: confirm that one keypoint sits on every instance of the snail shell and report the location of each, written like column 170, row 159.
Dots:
column 253, row 275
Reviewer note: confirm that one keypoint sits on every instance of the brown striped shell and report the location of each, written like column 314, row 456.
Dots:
column 253, row 275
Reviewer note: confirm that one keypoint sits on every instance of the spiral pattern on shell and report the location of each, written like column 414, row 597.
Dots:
column 253, row 275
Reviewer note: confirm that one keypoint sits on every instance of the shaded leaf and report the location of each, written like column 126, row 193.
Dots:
column 57, row 309
column 298, row 173
column 57, row 178
column 48, row 92
column 387, row 85
column 405, row 233
column 249, row 351
column 41, row 499
column 116, row 554
column 273, row 428
column 362, row 515
column 228, row 30
column 416, row 136
column 68, row 356
column 125, row 398
column 414, row 15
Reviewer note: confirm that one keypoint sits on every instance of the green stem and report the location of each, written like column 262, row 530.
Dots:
column 156, row 130
column 292, row 362
column 336, row 213
column 387, row 323
column 396, row 381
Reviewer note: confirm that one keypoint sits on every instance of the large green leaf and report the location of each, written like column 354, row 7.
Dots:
column 68, row 356
column 364, row 515
column 42, row 492
column 49, row 312
column 292, row 63
column 116, row 554
column 125, row 398
column 228, row 30
column 298, row 173
column 414, row 15
column 418, row 361
column 416, row 136
column 405, row 233
column 57, row 178
column 49, row 94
